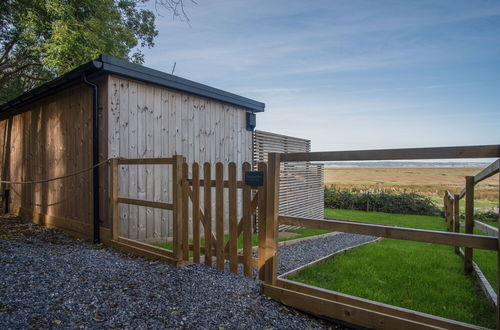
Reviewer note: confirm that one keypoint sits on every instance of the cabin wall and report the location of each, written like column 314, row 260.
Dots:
column 52, row 137
column 150, row 121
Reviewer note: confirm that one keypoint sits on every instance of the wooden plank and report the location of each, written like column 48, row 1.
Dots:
column 115, row 216
column 262, row 218
column 133, row 171
column 487, row 172
column 418, row 235
column 177, row 209
column 126, row 248
column 146, row 161
column 239, row 184
column 340, row 311
column 146, row 246
column 233, row 221
column 146, row 203
column 481, row 151
column 469, row 220
column 158, row 171
column 219, row 215
column 247, row 225
column 196, row 212
column 124, row 150
column 491, row 170
column 374, row 306
column 185, row 214
column 207, row 200
column 272, row 209
column 456, row 218
column 253, row 206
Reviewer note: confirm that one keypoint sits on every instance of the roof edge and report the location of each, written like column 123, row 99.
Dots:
column 113, row 65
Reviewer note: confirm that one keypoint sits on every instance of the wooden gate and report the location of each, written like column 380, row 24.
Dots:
column 223, row 232
column 212, row 215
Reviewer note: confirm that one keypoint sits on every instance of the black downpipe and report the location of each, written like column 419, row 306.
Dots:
column 95, row 158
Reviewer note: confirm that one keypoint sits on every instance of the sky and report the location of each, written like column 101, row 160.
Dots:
column 348, row 74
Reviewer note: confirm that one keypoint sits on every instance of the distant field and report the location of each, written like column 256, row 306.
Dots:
column 428, row 181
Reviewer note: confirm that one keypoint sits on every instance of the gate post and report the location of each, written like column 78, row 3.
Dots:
column 272, row 213
column 177, row 206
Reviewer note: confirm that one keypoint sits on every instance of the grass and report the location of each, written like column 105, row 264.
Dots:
column 392, row 219
column 419, row 276
column 300, row 233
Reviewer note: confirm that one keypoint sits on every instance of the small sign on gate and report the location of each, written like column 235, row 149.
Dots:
column 254, row 178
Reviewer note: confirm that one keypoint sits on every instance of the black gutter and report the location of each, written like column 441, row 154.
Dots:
column 95, row 158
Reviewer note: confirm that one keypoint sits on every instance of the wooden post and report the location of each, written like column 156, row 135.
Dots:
column 247, row 225
column 233, row 221
column 219, row 215
column 207, row 213
column 469, row 220
column 272, row 213
column 177, row 206
column 6, row 162
column 115, row 191
column 456, row 217
column 262, row 219
column 196, row 212
column 498, row 263
column 185, row 212
column 445, row 207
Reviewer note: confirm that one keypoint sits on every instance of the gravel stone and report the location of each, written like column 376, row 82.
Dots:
column 48, row 279
column 296, row 255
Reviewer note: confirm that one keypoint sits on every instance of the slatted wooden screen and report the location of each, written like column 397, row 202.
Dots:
column 199, row 239
column 301, row 184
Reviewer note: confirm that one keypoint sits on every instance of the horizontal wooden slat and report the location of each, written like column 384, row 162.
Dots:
column 491, row 170
column 139, row 202
column 418, row 235
column 449, row 194
column 239, row 184
column 134, row 250
column 147, row 247
column 485, row 151
column 340, row 311
column 374, row 306
column 145, row 161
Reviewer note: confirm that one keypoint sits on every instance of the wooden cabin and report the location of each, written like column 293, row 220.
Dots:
column 141, row 113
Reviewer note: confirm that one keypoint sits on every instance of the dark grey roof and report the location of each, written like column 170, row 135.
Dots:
column 112, row 65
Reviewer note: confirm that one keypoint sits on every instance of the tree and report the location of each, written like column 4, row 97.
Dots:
column 41, row 39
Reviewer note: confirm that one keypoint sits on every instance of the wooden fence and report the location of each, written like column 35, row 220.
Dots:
column 301, row 183
column 199, row 231
column 347, row 308
column 221, row 246
column 451, row 207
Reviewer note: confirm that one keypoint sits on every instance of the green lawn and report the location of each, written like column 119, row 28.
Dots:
column 419, row 276
column 300, row 233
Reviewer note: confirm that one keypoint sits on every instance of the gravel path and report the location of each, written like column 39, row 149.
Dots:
column 50, row 280
column 296, row 255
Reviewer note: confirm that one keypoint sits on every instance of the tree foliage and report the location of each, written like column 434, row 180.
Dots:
column 40, row 39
